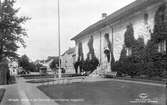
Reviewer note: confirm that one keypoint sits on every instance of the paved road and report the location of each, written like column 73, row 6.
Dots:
column 23, row 93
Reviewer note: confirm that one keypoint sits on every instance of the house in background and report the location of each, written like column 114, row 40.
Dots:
column 13, row 67
column 68, row 60
column 109, row 34
column 46, row 63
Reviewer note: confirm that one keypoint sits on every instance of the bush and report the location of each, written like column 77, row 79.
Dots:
column 145, row 60
column 4, row 73
column 90, row 65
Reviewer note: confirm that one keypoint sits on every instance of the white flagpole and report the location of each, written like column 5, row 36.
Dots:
column 58, row 11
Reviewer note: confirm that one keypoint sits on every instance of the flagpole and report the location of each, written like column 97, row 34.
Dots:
column 58, row 11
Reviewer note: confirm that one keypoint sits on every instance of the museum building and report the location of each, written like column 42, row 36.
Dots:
column 106, row 38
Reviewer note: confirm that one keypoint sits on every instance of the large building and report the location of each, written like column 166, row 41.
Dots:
column 109, row 34
column 68, row 60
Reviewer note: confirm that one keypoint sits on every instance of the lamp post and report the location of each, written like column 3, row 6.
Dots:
column 58, row 15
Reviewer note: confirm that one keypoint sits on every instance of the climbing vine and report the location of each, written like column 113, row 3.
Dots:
column 80, row 59
column 160, row 27
column 91, row 62
column 129, row 36
column 145, row 59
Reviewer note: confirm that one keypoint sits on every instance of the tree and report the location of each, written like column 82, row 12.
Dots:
column 129, row 36
column 12, row 33
column 55, row 63
column 146, row 59
column 38, row 66
column 27, row 65
column 32, row 67
column 24, row 62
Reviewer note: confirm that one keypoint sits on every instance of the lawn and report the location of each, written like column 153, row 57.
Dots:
column 2, row 91
column 103, row 93
column 40, row 81
column 37, row 76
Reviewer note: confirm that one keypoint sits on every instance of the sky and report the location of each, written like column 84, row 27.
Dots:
column 75, row 16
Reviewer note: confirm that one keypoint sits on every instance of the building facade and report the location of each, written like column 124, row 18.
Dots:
column 68, row 59
column 13, row 67
column 109, row 34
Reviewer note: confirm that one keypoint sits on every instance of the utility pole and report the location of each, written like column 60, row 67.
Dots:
column 58, row 15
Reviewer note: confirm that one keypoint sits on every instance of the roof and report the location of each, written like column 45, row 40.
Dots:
column 50, row 58
column 69, row 51
column 121, row 13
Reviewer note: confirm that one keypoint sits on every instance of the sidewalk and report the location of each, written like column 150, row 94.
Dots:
column 11, row 94
column 24, row 93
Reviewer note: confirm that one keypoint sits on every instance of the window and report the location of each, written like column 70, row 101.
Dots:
column 162, row 46
column 128, row 51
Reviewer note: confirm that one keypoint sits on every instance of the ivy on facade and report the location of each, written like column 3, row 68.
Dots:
column 129, row 36
column 80, row 52
column 145, row 59
column 80, row 59
column 90, row 46
column 91, row 62
column 160, row 28
column 108, row 51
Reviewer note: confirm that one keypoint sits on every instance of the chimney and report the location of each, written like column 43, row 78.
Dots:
column 104, row 15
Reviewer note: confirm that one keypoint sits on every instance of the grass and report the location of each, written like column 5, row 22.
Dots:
column 71, row 75
column 144, row 80
column 101, row 93
column 40, row 81
column 48, row 76
column 37, row 76
column 2, row 92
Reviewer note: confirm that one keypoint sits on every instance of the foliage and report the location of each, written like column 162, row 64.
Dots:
column 38, row 66
column 160, row 28
column 90, row 64
column 109, row 50
column 90, row 46
column 32, row 67
column 145, row 59
column 12, row 32
column 55, row 63
column 24, row 62
column 129, row 37
column 4, row 70
column 80, row 52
